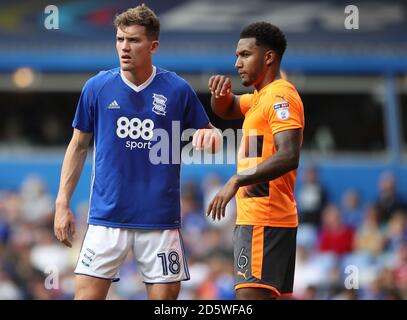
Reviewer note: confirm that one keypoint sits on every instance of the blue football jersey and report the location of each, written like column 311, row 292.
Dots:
column 128, row 190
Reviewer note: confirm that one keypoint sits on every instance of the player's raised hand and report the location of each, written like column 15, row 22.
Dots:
column 220, row 86
column 209, row 140
column 218, row 204
column 64, row 225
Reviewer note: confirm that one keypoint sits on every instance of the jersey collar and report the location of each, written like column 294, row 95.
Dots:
column 141, row 86
column 269, row 85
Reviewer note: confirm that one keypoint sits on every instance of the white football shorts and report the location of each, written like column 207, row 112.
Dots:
column 159, row 254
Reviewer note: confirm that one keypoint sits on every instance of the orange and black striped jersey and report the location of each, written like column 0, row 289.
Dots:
column 275, row 108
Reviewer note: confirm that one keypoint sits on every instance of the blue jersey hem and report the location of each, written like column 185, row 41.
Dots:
column 97, row 222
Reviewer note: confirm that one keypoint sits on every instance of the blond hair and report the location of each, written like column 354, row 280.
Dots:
column 142, row 16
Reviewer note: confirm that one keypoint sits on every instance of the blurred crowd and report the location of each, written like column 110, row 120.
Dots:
column 346, row 250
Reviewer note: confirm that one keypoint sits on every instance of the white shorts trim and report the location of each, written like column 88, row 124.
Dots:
column 159, row 254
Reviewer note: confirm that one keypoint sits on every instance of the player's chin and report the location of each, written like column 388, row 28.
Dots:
column 246, row 82
column 127, row 67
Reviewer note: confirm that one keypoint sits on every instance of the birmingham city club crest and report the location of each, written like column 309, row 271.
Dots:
column 159, row 104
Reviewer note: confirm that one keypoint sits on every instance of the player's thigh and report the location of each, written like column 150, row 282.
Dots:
column 160, row 256
column 264, row 258
column 103, row 251
column 91, row 288
column 163, row 291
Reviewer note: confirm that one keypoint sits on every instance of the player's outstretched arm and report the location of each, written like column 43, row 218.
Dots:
column 64, row 222
column 208, row 139
column 223, row 102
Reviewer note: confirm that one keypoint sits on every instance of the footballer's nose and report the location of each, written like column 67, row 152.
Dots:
column 238, row 64
column 126, row 46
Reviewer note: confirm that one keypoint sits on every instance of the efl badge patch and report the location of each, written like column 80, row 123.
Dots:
column 282, row 110
column 159, row 104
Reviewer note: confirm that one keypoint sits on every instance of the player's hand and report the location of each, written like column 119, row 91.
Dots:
column 218, row 204
column 209, row 140
column 220, row 86
column 64, row 225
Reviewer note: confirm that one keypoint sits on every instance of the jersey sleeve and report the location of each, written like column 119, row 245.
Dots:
column 245, row 102
column 195, row 116
column 84, row 116
column 285, row 111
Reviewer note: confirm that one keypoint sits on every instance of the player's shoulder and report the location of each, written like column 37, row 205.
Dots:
column 281, row 85
column 281, row 90
column 173, row 78
column 99, row 80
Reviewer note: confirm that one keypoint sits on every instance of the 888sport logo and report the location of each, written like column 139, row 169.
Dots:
column 134, row 129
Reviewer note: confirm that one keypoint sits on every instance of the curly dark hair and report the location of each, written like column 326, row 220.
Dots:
column 266, row 34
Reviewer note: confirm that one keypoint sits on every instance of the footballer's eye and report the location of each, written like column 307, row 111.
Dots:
column 243, row 54
column 120, row 39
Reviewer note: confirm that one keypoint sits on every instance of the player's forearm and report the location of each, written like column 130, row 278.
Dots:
column 273, row 167
column 223, row 105
column 71, row 171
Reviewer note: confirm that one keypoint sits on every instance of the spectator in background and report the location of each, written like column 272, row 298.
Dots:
column 335, row 236
column 346, row 294
column 12, row 134
column 388, row 201
column 219, row 281
column 48, row 253
column 400, row 272
column 311, row 198
column 11, row 204
column 324, row 140
column 310, row 293
column 8, row 289
column 4, row 227
column 52, row 131
column 368, row 236
column 37, row 204
column 352, row 212
column 373, row 290
column 388, row 284
column 193, row 219
column 395, row 231
column 307, row 273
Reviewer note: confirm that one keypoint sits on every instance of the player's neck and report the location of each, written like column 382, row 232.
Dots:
column 139, row 76
column 269, row 77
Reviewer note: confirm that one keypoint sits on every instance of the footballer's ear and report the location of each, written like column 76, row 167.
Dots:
column 154, row 46
column 270, row 57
